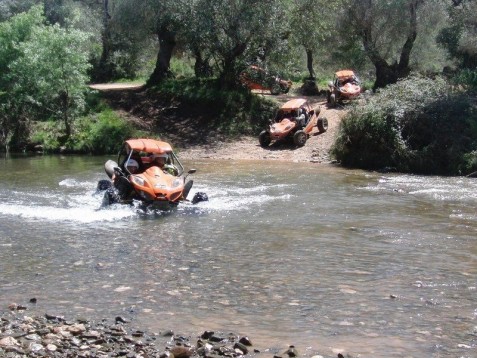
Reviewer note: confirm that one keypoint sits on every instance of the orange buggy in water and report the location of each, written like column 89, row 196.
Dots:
column 256, row 78
column 345, row 86
column 296, row 120
column 150, row 172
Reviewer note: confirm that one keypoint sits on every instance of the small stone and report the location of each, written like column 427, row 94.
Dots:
column 51, row 347
column 181, row 352
column 8, row 342
column 246, row 341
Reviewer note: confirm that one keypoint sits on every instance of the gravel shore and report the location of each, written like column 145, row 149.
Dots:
column 55, row 336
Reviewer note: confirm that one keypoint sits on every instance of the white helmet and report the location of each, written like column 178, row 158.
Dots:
column 131, row 163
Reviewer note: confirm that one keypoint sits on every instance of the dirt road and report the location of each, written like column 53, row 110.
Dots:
column 131, row 105
column 316, row 148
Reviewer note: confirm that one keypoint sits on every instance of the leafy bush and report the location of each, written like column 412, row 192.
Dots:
column 468, row 79
column 46, row 135
column 102, row 133
column 417, row 125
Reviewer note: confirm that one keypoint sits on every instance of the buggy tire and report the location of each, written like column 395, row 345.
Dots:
column 299, row 138
column 322, row 124
column 333, row 100
column 264, row 139
column 110, row 197
column 199, row 196
column 275, row 90
column 103, row 184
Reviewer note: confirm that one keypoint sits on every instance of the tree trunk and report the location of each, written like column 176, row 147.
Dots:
column 201, row 67
column 103, row 72
column 167, row 42
column 228, row 78
column 385, row 73
column 309, row 64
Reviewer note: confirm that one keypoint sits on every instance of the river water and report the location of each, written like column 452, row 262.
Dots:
column 327, row 259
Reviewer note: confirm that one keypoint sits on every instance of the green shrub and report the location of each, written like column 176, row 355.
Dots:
column 417, row 125
column 46, row 134
column 468, row 79
column 102, row 133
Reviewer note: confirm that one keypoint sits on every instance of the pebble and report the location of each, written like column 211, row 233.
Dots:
column 54, row 336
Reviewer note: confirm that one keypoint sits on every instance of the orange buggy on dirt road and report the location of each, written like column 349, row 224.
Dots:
column 296, row 120
column 256, row 78
column 345, row 86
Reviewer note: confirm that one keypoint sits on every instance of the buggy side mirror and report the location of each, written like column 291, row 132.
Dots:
column 118, row 171
column 191, row 171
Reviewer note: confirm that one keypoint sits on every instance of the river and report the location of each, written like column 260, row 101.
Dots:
column 327, row 259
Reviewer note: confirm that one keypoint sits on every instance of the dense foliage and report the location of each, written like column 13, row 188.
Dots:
column 417, row 125
column 42, row 74
column 196, row 49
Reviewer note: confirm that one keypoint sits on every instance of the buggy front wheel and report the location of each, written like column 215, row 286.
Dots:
column 264, row 139
column 322, row 124
column 299, row 138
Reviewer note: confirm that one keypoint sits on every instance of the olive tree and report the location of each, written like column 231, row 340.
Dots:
column 459, row 38
column 235, row 31
column 388, row 32
column 311, row 26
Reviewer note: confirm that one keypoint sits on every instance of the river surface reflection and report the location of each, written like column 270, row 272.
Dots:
column 328, row 259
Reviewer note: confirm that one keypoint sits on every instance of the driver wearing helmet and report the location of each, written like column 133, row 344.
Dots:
column 162, row 161
column 132, row 166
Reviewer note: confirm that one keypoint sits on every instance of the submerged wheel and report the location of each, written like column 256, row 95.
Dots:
column 103, row 184
column 264, row 139
column 299, row 138
column 322, row 124
column 110, row 197
column 199, row 196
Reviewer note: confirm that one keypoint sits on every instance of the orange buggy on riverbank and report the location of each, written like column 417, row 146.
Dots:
column 345, row 86
column 295, row 119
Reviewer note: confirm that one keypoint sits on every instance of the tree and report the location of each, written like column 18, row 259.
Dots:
column 372, row 20
column 312, row 21
column 239, row 30
column 459, row 39
column 162, row 19
column 13, row 119
column 389, row 31
column 46, row 71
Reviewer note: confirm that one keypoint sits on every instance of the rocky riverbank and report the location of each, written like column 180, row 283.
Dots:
column 55, row 336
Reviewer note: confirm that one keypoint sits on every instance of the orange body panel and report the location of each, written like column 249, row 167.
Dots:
column 159, row 185
column 281, row 129
column 293, row 104
column 344, row 74
column 149, row 145
column 350, row 90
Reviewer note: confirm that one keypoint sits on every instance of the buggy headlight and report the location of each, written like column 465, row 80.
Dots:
column 176, row 183
column 138, row 180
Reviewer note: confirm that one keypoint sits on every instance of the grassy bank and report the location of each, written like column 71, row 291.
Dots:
column 194, row 111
